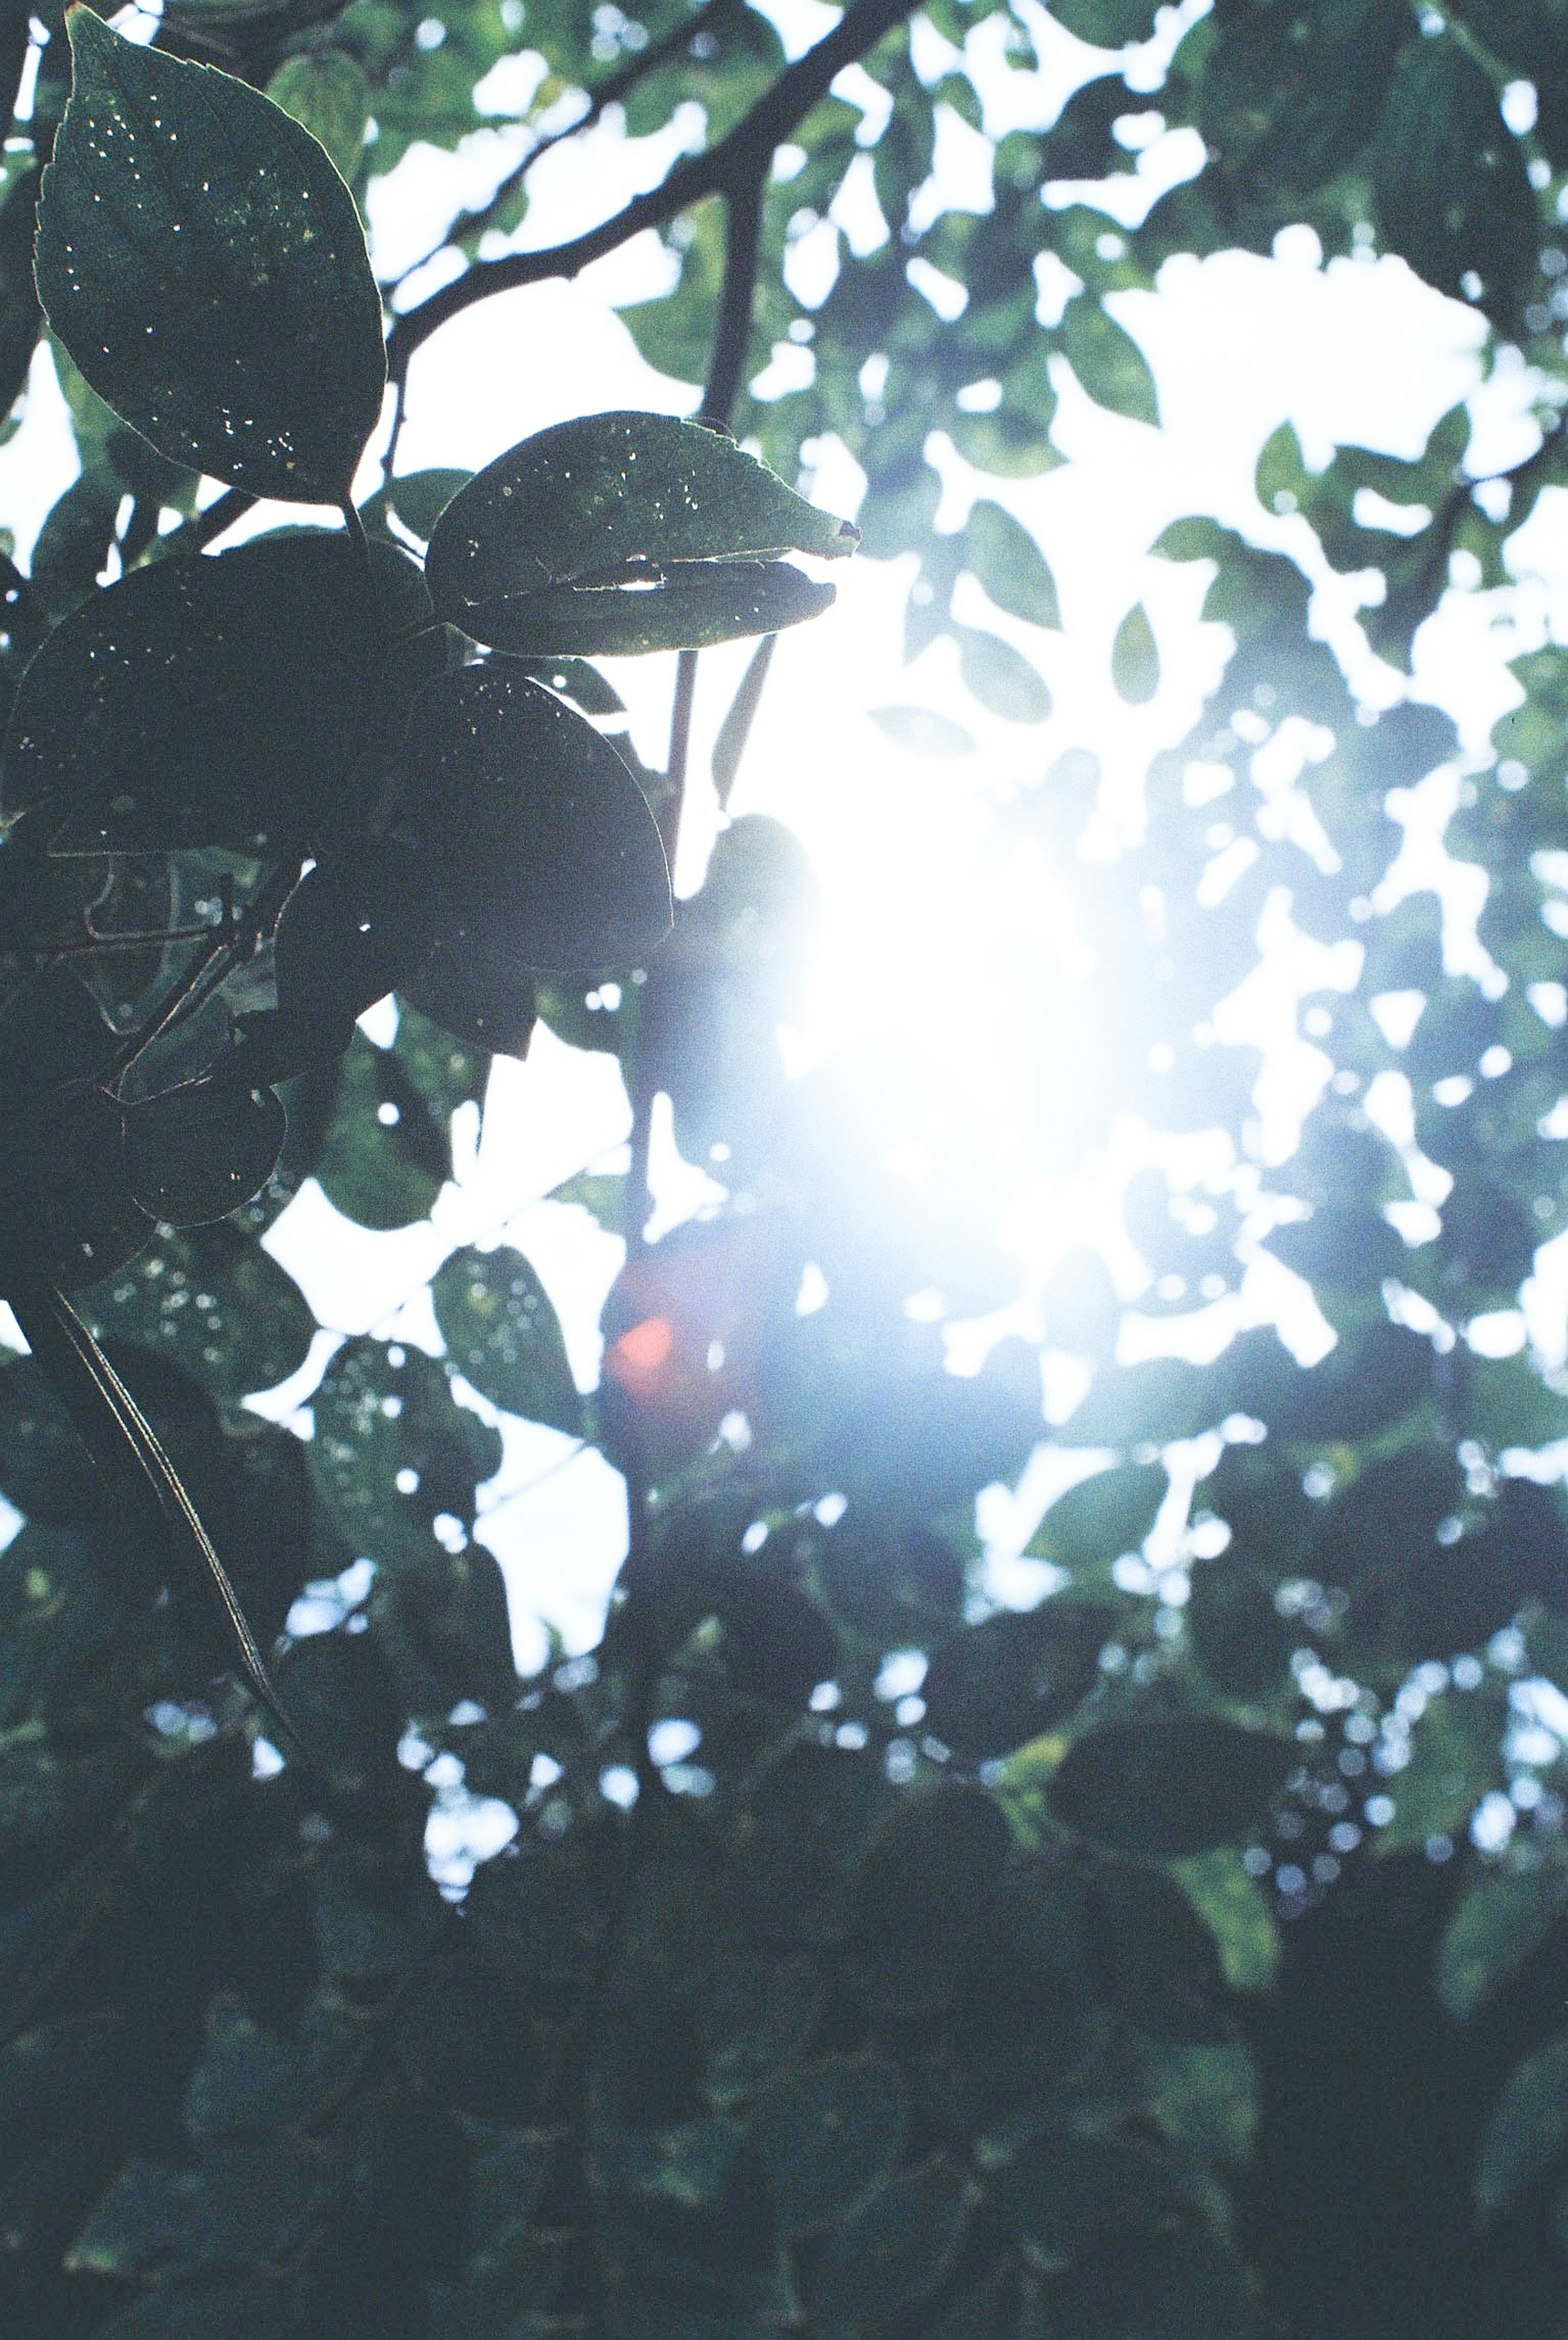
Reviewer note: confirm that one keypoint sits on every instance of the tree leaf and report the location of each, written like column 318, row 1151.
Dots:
column 538, row 838
column 350, row 932
column 393, row 1451
column 204, row 265
column 383, row 1161
column 503, row 1334
column 1009, row 564
column 923, row 731
column 1101, row 1519
column 1106, row 24
column 196, row 1152
column 1001, row 677
column 826, row 2135
column 627, row 532
column 220, row 701
column 1000, row 1683
column 1450, row 180
column 1528, row 2128
column 327, row 93
column 891, row 2253
column 1160, row 1790
column 1136, row 658
column 1107, row 362
column 1499, row 1924
column 1067, row 2197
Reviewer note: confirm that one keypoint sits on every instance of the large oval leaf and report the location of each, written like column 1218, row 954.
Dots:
column 196, row 1152
column 219, row 702
column 627, row 532
column 539, row 838
column 204, row 265
column 826, row 2135
column 1163, row 1789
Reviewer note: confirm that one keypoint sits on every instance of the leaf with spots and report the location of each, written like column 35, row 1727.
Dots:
column 204, row 265
column 502, row 1335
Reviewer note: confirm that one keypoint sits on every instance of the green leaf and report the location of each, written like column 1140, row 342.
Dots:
column 1449, row 178
column 997, row 1684
column 889, row 2254
column 1161, row 1789
column 1107, row 362
column 1010, row 565
column 1455, row 1758
column 1001, row 677
column 1101, row 1519
column 1136, row 658
column 198, row 1152
column 826, row 2135
column 923, row 731
column 222, row 701
column 1497, row 1928
column 379, row 1421
column 212, row 1301
column 204, row 265
column 327, row 93
column 1106, row 24
column 1067, row 2197
column 1235, row 1910
column 627, row 532
column 1203, row 2095
column 418, row 498
column 383, row 1161
column 1528, row 2128
column 537, row 837
column 502, row 1334
column 353, row 927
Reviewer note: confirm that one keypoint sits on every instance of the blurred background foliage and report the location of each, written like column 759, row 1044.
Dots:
column 1177, row 1959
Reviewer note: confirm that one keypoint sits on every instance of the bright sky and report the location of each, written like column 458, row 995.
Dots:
column 1357, row 352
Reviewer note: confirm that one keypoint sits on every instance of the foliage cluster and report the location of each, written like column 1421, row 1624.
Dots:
column 935, row 1987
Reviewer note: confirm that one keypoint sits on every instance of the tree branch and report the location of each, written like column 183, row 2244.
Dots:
column 740, row 155
column 609, row 92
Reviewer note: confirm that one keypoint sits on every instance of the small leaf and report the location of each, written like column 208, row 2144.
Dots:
column 503, row 1334
column 537, row 835
column 326, row 92
column 1010, row 565
column 1106, row 24
column 1068, row 2197
column 1159, row 1790
column 204, row 265
column 1001, row 677
column 1107, row 362
column 486, row 1002
column 1134, row 659
column 826, row 2135
column 418, row 498
column 923, row 731
column 376, row 1164
column 1499, row 1924
column 198, row 1152
column 627, row 532
column 1528, row 2128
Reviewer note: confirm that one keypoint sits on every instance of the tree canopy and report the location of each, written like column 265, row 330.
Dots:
column 1174, row 1951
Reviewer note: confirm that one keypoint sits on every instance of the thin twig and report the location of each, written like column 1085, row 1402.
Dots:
column 606, row 93
column 718, row 170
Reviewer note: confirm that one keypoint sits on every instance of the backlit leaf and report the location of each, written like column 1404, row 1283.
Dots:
column 204, row 265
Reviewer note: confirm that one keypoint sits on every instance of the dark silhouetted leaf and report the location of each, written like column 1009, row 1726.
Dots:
column 222, row 701
column 536, row 835
column 826, row 2135
column 204, row 265
column 1528, row 2128
column 891, row 2254
column 627, row 532
column 197, row 1153
column 997, row 1684
column 1161, row 1789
